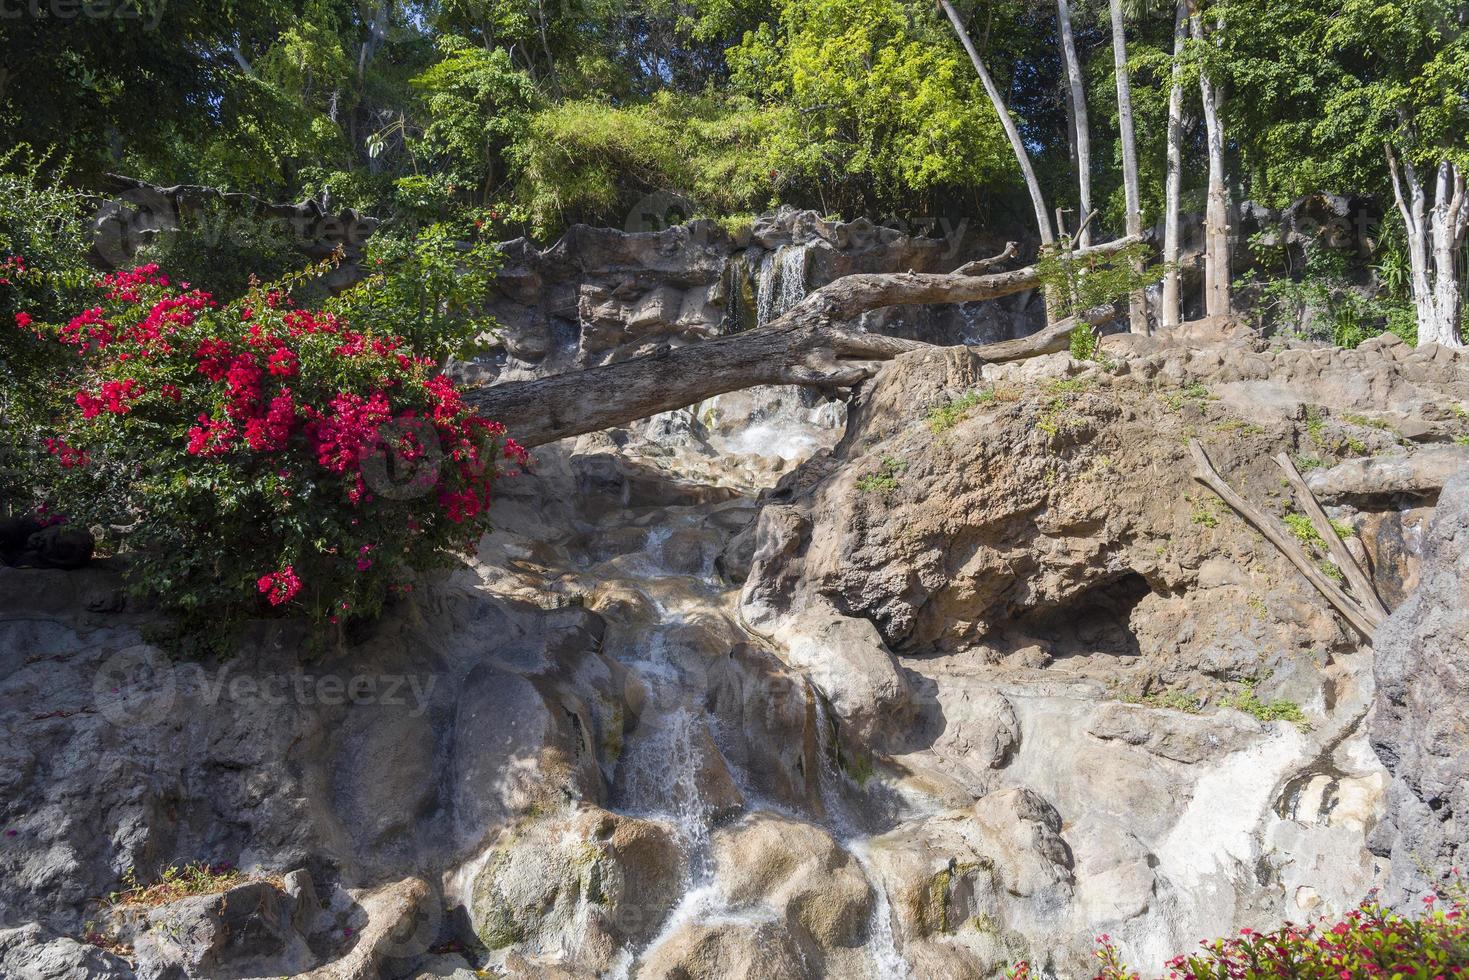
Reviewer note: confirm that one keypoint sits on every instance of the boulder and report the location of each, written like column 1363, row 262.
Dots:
column 584, row 881
column 1417, row 726
column 247, row 931
column 797, row 869
column 31, row 952
column 748, row 950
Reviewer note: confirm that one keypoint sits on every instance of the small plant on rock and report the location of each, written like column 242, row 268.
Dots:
column 1280, row 709
column 942, row 418
column 885, row 480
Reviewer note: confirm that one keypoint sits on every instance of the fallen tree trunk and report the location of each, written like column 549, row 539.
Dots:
column 812, row 344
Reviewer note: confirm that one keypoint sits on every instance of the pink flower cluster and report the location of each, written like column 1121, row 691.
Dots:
column 279, row 587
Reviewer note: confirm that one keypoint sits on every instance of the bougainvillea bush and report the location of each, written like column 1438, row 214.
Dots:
column 253, row 456
column 1370, row 941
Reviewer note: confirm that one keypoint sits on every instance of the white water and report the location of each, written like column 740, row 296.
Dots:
column 781, row 282
column 887, row 961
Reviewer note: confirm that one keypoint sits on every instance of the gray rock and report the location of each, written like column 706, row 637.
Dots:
column 1420, row 474
column 30, row 952
column 248, row 931
column 1418, row 727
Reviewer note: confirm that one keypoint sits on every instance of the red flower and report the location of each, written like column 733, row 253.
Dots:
column 280, row 586
column 283, row 362
column 211, row 437
column 68, row 456
column 22, row 320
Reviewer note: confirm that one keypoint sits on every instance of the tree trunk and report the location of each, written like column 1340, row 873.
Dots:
column 1171, row 313
column 1216, row 213
column 1079, row 120
column 811, row 344
column 1017, row 145
column 1137, row 303
column 1435, row 233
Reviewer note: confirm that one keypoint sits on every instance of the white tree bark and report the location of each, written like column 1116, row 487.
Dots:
column 1171, row 314
column 1216, row 213
column 1435, row 232
column 1137, row 303
column 1078, row 118
column 1017, row 145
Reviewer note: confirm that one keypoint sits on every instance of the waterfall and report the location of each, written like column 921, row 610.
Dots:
column 887, row 961
column 781, row 283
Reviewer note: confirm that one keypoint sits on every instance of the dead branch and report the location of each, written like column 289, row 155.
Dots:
column 812, row 344
column 1361, row 583
column 1204, row 472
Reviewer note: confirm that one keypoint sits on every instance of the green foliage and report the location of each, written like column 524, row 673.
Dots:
column 176, row 882
column 221, row 247
column 1081, row 283
column 1195, row 392
column 593, row 161
column 885, row 480
column 477, row 106
column 1300, row 525
column 43, row 222
column 429, row 285
column 872, row 103
column 1249, row 702
column 942, row 418
column 1318, row 301
column 1085, row 343
column 1174, row 700
column 43, row 241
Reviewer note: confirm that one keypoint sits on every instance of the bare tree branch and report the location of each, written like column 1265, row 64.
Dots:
column 1363, row 621
column 813, row 344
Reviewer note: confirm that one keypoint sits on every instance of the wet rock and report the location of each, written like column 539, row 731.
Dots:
column 586, row 880
column 1026, row 831
column 248, row 931
column 847, row 659
column 402, row 919
column 797, row 869
column 752, row 950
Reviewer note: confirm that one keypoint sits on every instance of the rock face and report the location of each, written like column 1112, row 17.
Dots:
column 1418, row 729
column 969, row 687
column 600, row 294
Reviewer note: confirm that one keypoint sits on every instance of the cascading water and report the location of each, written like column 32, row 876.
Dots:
column 781, row 283
column 887, row 961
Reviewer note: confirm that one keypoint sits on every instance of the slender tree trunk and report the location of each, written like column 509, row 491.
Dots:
column 1171, row 314
column 1017, row 145
column 1216, row 213
column 1435, row 232
column 1079, row 120
column 1137, row 303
